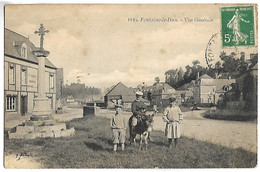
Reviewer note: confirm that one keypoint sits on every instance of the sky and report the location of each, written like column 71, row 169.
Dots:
column 103, row 46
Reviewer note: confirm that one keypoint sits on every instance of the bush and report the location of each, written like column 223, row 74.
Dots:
column 231, row 114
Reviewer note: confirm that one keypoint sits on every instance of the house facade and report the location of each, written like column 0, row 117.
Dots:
column 21, row 76
column 161, row 94
column 119, row 94
column 208, row 90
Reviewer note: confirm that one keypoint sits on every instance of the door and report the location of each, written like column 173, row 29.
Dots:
column 23, row 105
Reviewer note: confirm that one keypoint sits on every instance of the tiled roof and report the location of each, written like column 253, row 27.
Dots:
column 120, row 89
column 166, row 88
column 13, row 39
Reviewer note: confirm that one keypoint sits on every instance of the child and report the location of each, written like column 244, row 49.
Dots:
column 118, row 125
column 173, row 117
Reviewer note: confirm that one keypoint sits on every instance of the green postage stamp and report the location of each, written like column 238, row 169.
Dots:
column 237, row 24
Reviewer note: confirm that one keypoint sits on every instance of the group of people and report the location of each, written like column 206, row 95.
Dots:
column 172, row 116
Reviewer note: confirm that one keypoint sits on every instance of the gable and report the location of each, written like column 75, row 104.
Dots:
column 120, row 89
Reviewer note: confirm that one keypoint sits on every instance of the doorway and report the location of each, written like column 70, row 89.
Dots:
column 23, row 105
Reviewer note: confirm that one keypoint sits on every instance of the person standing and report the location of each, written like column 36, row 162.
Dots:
column 118, row 126
column 173, row 117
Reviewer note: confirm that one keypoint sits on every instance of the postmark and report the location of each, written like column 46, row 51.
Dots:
column 210, row 52
column 237, row 26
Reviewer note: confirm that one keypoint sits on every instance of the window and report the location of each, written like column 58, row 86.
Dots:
column 51, row 81
column 24, row 50
column 11, row 74
column 10, row 103
column 24, row 78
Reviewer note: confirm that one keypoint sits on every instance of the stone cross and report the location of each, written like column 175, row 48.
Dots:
column 41, row 32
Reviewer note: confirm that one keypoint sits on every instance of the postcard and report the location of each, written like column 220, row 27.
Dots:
column 138, row 86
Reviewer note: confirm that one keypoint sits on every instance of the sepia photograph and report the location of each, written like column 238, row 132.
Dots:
column 130, row 86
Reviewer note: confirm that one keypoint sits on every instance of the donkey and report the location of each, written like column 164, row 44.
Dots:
column 143, row 128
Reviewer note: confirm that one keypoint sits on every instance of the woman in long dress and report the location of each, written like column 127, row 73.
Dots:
column 173, row 117
column 234, row 24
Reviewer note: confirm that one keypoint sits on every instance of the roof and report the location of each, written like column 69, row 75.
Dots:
column 205, row 76
column 163, row 88
column 207, row 82
column 184, row 87
column 14, row 40
column 120, row 89
column 219, row 83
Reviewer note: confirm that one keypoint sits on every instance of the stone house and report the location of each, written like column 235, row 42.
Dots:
column 207, row 90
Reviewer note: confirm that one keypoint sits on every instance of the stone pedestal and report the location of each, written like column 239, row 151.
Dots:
column 42, row 106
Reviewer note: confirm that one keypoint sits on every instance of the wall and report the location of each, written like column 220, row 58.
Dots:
column 30, row 89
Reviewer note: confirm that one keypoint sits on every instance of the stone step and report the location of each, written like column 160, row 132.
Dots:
column 42, row 134
column 34, row 123
column 55, row 127
column 41, row 117
column 24, row 129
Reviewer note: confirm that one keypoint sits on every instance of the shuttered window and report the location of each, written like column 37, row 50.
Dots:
column 11, row 74
column 10, row 103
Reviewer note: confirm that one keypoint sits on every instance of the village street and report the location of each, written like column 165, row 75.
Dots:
column 232, row 134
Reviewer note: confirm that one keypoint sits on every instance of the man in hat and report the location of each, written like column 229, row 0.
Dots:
column 138, row 108
column 118, row 126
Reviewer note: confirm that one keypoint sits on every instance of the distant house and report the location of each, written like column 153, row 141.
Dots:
column 119, row 94
column 186, row 92
column 70, row 99
column 208, row 90
column 161, row 94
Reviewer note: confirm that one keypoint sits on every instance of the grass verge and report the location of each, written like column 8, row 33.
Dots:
column 91, row 147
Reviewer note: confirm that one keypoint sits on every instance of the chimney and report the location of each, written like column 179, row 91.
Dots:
column 229, row 77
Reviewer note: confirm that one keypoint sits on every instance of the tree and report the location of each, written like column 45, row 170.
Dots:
column 196, row 63
column 79, row 91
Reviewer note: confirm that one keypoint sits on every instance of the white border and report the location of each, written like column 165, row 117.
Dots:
column 2, row 4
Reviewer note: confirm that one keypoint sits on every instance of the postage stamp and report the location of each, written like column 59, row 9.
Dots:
column 237, row 26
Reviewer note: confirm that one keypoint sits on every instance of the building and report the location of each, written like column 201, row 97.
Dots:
column 161, row 94
column 119, row 94
column 186, row 92
column 207, row 90
column 20, row 80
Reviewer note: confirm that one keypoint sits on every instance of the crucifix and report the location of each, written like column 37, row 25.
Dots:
column 41, row 32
